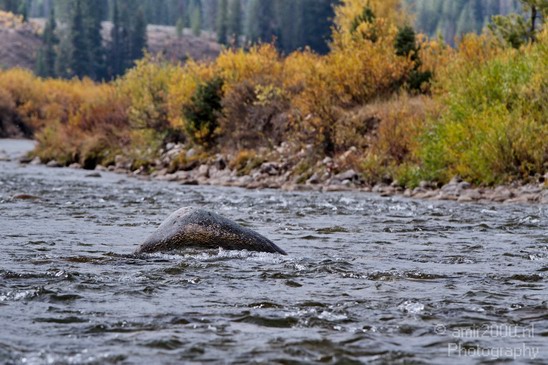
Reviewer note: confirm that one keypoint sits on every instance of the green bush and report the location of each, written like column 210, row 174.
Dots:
column 202, row 113
column 495, row 126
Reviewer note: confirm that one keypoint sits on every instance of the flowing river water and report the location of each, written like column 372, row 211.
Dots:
column 367, row 279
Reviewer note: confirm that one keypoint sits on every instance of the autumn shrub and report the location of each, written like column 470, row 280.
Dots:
column 347, row 77
column 147, row 87
column 254, row 115
column 56, row 142
column 261, row 62
column 9, row 123
column 493, row 127
column 24, row 96
column 86, row 123
column 359, row 69
column 391, row 152
column 254, row 99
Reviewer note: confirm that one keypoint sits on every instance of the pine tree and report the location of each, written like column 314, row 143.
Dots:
column 138, row 36
column 23, row 10
column 47, row 56
column 209, row 11
column 115, row 52
column 196, row 17
column 222, row 22
column 316, row 24
column 260, row 26
column 235, row 21
column 78, row 55
column 185, row 12
column 12, row 6
column 289, row 19
column 94, row 13
column 179, row 27
column 406, row 43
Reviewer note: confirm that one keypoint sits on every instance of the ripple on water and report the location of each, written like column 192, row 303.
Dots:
column 367, row 279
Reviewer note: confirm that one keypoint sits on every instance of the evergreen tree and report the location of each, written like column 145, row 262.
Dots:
column 406, row 43
column 202, row 113
column 64, row 10
column 406, row 46
column 179, row 27
column 12, row 6
column 209, row 11
column 116, row 61
column 138, row 37
column 316, row 24
column 289, row 15
column 129, row 37
column 235, row 21
column 261, row 26
column 185, row 12
column 196, row 17
column 23, row 10
column 222, row 22
column 47, row 56
column 94, row 13
column 78, row 54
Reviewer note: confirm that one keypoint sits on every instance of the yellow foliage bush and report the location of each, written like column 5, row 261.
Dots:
column 147, row 87
column 260, row 62
column 347, row 77
column 348, row 10
column 10, row 20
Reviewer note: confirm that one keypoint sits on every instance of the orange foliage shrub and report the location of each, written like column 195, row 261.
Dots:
column 26, row 97
column 393, row 148
column 347, row 77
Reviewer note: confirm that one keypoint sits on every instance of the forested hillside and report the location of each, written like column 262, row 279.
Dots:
column 102, row 39
column 293, row 23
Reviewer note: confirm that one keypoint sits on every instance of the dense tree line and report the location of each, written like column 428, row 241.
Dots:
column 290, row 24
column 455, row 17
column 79, row 49
column 293, row 22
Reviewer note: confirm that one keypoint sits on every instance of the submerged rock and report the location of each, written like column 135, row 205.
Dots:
column 192, row 227
column 53, row 163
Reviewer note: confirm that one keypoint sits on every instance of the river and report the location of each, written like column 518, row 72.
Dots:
column 367, row 279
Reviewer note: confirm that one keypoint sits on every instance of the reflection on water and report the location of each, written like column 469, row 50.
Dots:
column 367, row 279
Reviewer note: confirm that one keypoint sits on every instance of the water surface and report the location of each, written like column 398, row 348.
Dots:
column 367, row 279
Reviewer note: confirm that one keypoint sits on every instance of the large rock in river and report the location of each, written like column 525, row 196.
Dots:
column 192, row 227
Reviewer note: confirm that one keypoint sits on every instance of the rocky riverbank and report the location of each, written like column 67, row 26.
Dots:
column 291, row 170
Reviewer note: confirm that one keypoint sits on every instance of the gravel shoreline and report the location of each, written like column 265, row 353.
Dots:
column 282, row 175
